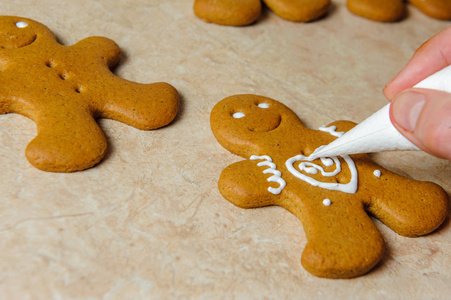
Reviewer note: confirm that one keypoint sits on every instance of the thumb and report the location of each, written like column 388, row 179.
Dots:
column 424, row 117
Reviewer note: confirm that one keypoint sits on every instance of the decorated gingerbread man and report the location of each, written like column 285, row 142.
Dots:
column 332, row 197
column 245, row 12
column 64, row 88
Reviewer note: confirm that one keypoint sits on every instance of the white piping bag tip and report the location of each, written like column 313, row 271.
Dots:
column 375, row 134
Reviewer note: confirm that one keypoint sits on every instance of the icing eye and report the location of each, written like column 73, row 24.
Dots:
column 21, row 24
column 238, row 115
column 263, row 105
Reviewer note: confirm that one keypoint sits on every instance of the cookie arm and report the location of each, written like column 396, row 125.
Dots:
column 245, row 185
column 343, row 242
column 342, row 125
column 144, row 106
column 66, row 142
column 409, row 207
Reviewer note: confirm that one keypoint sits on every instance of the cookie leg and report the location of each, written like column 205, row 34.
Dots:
column 409, row 207
column 343, row 242
column 67, row 142
column 144, row 106
column 299, row 10
column 378, row 10
column 439, row 9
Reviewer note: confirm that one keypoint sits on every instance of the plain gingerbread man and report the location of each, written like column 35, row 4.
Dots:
column 64, row 88
column 343, row 241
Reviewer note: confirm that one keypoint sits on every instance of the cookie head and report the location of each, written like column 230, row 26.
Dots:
column 17, row 32
column 238, row 120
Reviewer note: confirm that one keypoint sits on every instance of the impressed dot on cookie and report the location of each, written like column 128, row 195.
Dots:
column 64, row 88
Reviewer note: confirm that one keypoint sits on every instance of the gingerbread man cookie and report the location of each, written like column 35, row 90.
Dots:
column 331, row 196
column 395, row 10
column 245, row 12
column 64, row 88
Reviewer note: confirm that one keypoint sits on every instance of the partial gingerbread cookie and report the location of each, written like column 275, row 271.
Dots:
column 228, row 12
column 438, row 9
column 245, row 12
column 64, row 88
column 299, row 10
column 395, row 10
column 378, row 10
column 331, row 196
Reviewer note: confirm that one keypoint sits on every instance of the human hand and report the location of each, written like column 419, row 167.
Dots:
column 423, row 115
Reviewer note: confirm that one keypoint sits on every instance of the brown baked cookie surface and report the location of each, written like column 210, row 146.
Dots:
column 245, row 12
column 299, row 10
column 332, row 197
column 395, row 10
column 228, row 12
column 378, row 10
column 64, row 88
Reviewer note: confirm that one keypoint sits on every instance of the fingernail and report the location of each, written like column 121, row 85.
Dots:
column 406, row 109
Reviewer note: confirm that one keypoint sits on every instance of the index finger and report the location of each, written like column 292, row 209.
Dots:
column 432, row 56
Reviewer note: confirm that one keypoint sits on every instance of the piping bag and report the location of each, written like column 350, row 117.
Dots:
column 377, row 133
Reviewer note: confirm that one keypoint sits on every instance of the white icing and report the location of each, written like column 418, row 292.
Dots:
column 312, row 168
column 327, row 202
column 277, row 175
column 377, row 173
column 327, row 161
column 263, row 105
column 309, row 167
column 238, row 115
column 350, row 187
column 332, row 130
column 21, row 24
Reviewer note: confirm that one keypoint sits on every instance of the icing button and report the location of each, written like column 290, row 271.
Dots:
column 327, row 202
